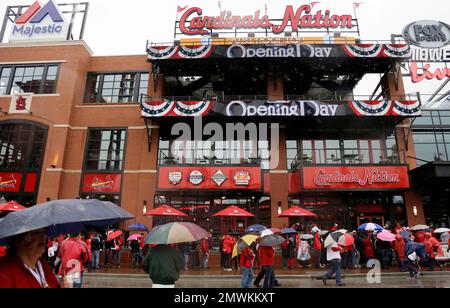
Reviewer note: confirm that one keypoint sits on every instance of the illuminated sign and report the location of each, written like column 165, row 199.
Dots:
column 40, row 24
column 427, row 34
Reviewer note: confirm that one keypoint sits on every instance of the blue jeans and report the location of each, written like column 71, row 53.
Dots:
column 411, row 269
column 385, row 258
column 77, row 282
column 204, row 260
column 116, row 257
column 136, row 258
column 269, row 276
column 335, row 267
column 107, row 256
column 95, row 259
column 247, row 277
column 186, row 260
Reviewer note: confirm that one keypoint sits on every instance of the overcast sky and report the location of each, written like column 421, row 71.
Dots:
column 119, row 27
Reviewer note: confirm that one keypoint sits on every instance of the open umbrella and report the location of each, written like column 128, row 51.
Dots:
column 176, row 232
column 441, row 230
column 255, row 229
column 420, row 228
column 165, row 210
column 333, row 237
column 62, row 217
column 267, row 232
column 323, row 232
column 288, row 231
column 346, row 240
column 243, row 242
column 137, row 227
column 275, row 230
column 306, row 237
column 370, row 227
column 386, row 236
column 11, row 206
column 234, row 211
column 113, row 235
column 134, row 237
column 271, row 240
column 296, row 211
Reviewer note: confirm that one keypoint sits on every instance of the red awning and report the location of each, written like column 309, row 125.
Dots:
column 165, row 210
column 234, row 211
column 296, row 211
column 11, row 206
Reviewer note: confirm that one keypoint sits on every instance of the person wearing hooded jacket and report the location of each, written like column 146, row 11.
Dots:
column 433, row 249
column 400, row 250
column 412, row 251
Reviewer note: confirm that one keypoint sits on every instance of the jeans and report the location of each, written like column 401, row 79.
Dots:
column 116, row 257
column 385, row 258
column 247, row 277
column 136, row 258
column 269, row 276
column 411, row 269
column 335, row 267
column 186, row 261
column 285, row 261
column 95, row 259
column 204, row 260
column 77, row 279
column 227, row 260
column 107, row 256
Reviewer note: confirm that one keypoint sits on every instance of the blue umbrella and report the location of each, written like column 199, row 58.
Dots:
column 255, row 229
column 405, row 235
column 288, row 231
column 62, row 217
column 137, row 227
column 370, row 227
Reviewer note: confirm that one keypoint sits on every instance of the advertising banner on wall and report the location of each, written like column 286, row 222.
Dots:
column 10, row 181
column 355, row 177
column 101, row 183
column 209, row 177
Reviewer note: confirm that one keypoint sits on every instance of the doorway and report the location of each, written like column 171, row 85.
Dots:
column 376, row 219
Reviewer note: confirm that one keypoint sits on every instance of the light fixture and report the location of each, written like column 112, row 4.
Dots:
column 53, row 166
column 279, row 207
column 144, row 209
column 415, row 210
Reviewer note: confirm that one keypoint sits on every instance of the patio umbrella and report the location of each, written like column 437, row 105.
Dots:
column 271, row 240
column 243, row 242
column 62, row 217
column 11, row 206
column 386, row 236
column 334, row 237
column 137, row 227
column 255, row 229
column 288, row 231
column 370, row 227
column 441, row 230
column 176, row 232
column 420, row 227
column 234, row 211
column 306, row 237
column 165, row 210
column 134, row 237
column 296, row 211
column 113, row 235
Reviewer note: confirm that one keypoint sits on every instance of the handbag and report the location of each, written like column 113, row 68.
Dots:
column 412, row 256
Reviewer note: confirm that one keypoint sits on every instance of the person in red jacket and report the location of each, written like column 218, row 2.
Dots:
column 204, row 248
column 74, row 256
column 227, row 248
column 23, row 266
column 433, row 249
column 246, row 262
column 267, row 259
column 2, row 251
column 368, row 248
column 400, row 250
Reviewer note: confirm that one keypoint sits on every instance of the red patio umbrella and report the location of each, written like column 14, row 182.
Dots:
column 165, row 210
column 296, row 211
column 11, row 206
column 113, row 235
column 234, row 211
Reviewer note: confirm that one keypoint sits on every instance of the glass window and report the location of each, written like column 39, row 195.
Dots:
column 333, row 151
column 116, row 87
column 105, row 149
column 425, row 152
column 32, row 79
column 424, row 137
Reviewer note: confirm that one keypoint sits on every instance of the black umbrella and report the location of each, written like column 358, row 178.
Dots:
column 62, row 217
column 271, row 240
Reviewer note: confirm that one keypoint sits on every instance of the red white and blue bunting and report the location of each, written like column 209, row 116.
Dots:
column 386, row 108
column 179, row 52
column 397, row 50
column 195, row 52
column 175, row 109
column 162, row 52
column 377, row 50
column 406, row 109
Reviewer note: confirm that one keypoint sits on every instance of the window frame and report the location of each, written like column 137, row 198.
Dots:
column 46, row 67
column 101, row 80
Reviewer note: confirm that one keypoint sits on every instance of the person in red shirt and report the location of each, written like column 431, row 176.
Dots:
column 74, row 256
column 433, row 249
column 267, row 259
column 368, row 248
column 400, row 250
column 227, row 247
column 2, row 251
column 246, row 262
column 204, row 248
column 23, row 266
column 419, row 237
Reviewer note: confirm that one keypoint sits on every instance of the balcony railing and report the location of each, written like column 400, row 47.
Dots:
column 168, row 159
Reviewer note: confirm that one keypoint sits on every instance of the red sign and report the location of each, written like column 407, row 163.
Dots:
column 102, row 183
column 301, row 18
column 417, row 77
column 217, row 178
column 369, row 177
column 30, row 182
column 10, row 181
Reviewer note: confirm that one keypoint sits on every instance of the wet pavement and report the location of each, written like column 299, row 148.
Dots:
column 232, row 280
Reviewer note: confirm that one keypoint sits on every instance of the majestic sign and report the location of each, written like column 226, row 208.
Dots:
column 102, row 183
column 280, row 108
column 20, row 103
column 263, row 51
column 427, row 33
column 355, row 177
column 39, row 23
column 10, row 181
column 193, row 23
column 211, row 178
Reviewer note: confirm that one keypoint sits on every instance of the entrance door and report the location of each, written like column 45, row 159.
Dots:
column 376, row 219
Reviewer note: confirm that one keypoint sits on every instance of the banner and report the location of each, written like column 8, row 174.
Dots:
column 101, row 183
